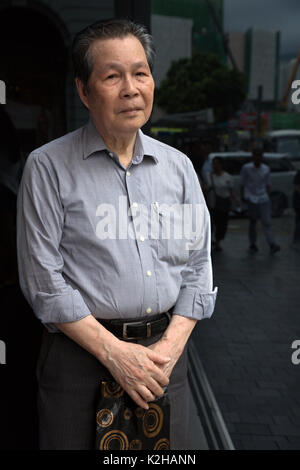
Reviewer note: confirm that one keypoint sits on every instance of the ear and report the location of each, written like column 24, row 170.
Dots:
column 82, row 92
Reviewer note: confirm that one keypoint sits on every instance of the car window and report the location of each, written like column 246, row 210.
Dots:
column 289, row 145
column 278, row 164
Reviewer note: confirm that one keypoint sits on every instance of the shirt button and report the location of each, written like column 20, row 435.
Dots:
column 110, row 154
column 128, row 173
column 149, row 273
column 148, row 310
column 142, row 239
column 134, row 204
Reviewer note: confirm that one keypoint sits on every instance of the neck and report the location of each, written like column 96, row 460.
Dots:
column 121, row 144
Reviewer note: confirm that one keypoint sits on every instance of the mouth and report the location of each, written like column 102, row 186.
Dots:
column 130, row 111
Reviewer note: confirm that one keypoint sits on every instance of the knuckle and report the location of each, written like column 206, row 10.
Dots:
column 140, row 376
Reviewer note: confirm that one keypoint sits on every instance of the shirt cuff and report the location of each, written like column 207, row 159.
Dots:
column 60, row 308
column 53, row 329
column 194, row 304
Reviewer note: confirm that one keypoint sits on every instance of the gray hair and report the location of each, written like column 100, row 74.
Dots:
column 108, row 29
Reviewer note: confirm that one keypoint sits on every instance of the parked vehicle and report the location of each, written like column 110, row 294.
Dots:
column 285, row 141
column 282, row 176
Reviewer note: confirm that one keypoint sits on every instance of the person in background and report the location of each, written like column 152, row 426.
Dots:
column 206, row 149
column 296, row 205
column 221, row 191
column 255, row 189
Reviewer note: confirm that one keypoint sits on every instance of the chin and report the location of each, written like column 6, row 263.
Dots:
column 134, row 122
column 132, row 127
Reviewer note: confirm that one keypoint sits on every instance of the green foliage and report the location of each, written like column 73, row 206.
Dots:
column 201, row 82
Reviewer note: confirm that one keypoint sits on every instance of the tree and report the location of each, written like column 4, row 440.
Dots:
column 192, row 84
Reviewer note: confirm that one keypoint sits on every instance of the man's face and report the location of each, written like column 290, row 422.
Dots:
column 257, row 155
column 206, row 148
column 120, row 87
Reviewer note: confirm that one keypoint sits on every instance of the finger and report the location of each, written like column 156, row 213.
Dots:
column 160, row 376
column 155, row 389
column 138, row 399
column 155, row 357
column 146, row 393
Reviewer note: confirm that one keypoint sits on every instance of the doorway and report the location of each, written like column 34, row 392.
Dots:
column 34, row 66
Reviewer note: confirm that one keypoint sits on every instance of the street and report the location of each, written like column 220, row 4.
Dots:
column 245, row 347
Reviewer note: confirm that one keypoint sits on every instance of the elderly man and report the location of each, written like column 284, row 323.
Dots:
column 255, row 189
column 112, row 304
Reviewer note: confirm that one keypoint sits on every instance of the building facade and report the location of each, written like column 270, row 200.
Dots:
column 35, row 40
column 262, row 63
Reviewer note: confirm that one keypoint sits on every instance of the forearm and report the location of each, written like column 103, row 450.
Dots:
column 173, row 341
column 90, row 335
column 176, row 335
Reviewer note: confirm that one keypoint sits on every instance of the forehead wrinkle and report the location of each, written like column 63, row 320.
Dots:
column 98, row 49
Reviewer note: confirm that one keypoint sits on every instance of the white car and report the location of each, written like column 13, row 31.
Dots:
column 285, row 141
column 282, row 176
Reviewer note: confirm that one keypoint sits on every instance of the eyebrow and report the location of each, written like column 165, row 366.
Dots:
column 116, row 65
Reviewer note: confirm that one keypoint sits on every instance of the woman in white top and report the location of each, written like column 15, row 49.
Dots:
column 221, row 189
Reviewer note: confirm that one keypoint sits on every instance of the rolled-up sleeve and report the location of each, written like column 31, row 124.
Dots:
column 196, row 297
column 40, row 219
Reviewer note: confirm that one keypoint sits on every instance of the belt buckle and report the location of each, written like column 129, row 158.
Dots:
column 125, row 325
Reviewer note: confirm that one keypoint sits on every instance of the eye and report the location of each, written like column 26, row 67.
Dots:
column 109, row 77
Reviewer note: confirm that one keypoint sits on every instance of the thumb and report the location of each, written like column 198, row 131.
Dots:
column 155, row 357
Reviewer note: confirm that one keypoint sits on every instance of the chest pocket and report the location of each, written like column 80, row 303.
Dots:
column 167, row 233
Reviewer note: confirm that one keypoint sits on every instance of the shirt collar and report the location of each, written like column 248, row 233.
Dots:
column 255, row 167
column 93, row 142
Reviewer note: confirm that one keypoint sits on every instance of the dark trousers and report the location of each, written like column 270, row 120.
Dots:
column 220, row 219
column 262, row 212
column 68, row 386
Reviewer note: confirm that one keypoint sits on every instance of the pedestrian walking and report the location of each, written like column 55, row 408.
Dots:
column 221, row 196
column 255, row 190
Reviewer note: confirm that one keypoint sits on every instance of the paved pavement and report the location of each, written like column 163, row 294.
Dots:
column 196, row 438
column 245, row 347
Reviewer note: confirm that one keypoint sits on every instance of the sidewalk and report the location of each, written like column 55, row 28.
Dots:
column 245, row 347
column 196, row 438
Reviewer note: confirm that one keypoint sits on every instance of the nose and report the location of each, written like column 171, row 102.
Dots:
column 129, row 88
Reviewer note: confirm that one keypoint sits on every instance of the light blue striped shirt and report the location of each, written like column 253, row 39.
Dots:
column 77, row 205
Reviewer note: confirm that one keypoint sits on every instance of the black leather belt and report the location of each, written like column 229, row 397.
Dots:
column 137, row 329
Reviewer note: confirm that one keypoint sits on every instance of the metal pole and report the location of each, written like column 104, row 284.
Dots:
column 258, row 108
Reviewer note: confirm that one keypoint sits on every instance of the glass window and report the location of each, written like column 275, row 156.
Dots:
column 278, row 164
column 289, row 145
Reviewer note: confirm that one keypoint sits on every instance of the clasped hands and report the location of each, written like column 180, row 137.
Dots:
column 141, row 371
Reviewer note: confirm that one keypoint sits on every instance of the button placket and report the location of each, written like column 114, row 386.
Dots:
column 137, row 200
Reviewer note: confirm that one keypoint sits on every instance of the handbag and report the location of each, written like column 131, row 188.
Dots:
column 122, row 425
